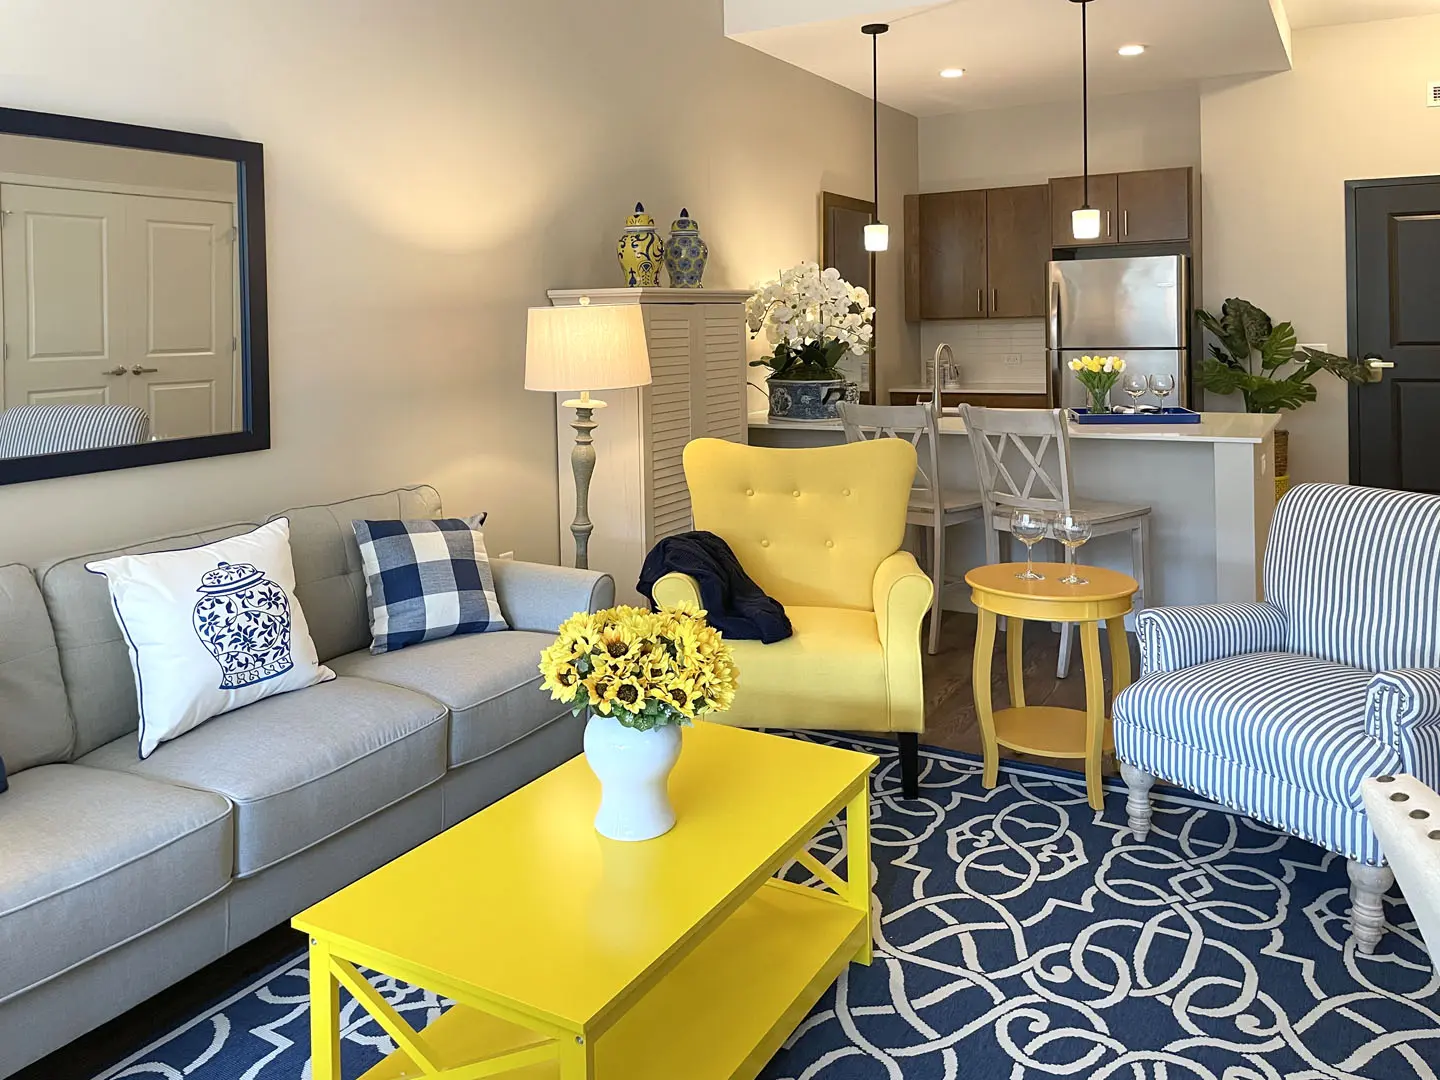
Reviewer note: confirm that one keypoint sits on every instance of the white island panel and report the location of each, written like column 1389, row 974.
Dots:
column 1210, row 487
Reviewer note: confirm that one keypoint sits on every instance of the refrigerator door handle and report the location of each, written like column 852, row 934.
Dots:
column 1055, row 342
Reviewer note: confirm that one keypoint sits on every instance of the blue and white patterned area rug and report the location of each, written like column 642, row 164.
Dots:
column 1021, row 935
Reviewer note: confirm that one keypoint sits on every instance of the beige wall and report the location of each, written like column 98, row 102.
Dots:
column 1029, row 145
column 433, row 167
column 1276, row 154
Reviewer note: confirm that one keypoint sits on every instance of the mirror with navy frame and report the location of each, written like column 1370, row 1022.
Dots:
column 132, row 296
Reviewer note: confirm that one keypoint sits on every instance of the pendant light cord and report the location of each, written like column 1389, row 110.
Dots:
column 875, row 115
column 1085, row 92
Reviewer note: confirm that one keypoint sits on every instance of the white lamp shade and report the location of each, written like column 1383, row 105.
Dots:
column 590, row 347
column 1085, row 224
column 877, row 237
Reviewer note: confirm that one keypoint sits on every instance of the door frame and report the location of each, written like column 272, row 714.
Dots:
column 1352, row 293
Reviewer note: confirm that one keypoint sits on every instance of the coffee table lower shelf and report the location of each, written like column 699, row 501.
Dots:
column 720, row 1014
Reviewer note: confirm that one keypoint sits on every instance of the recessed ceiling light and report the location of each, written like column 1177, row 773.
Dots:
column 1131, row 50
column 952, row 73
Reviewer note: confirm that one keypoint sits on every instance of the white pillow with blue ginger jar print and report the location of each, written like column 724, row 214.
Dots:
column 211, row 629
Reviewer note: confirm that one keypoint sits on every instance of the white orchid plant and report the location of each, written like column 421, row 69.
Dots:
column 813, row 318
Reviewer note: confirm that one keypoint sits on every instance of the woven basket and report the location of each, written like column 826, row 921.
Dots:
column 1282, row 463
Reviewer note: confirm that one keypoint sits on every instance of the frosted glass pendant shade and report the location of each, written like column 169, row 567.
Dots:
column 1085, row 224
column 877, row 237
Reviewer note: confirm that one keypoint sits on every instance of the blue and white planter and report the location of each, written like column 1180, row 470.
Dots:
column 808, row 400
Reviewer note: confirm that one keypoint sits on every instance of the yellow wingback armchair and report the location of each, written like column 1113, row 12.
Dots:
column 820, row 530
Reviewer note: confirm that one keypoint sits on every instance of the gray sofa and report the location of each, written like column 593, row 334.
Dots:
column 119, row 876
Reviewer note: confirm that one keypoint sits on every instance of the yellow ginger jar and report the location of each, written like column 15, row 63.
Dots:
column 642, row 252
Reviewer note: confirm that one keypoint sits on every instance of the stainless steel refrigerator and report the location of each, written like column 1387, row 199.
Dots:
column 1136, row 309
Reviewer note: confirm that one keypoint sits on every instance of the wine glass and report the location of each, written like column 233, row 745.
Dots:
column 1072, row 529
column 1136, row 386
column 1162, row 386
column 1029, row 527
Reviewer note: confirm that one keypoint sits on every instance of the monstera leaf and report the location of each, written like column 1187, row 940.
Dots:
column 1219, row 376
column 1273, row 395
column 1252, row 324
column 1278, row 349
column 1352, row 371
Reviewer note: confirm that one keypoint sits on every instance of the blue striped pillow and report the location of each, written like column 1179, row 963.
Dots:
column 426, row 579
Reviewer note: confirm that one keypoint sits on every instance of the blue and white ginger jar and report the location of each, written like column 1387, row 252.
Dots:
column 243, row 619
column 686, row 253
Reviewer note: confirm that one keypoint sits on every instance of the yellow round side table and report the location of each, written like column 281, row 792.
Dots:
column 1046, row 730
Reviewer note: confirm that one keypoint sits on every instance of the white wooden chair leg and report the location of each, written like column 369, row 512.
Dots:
column 1137, row 805
column 1368, row 885
column 937, row 575
column 1140, row 560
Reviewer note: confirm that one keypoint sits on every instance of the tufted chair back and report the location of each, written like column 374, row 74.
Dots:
column 1357, row 572
column 809, row 526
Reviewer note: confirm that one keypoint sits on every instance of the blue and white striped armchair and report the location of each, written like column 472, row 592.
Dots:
column 1280, row 709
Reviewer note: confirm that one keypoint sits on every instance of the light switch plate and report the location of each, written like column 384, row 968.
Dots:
column 1013, row 359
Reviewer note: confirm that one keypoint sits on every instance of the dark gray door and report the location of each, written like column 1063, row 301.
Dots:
column 1394, row 262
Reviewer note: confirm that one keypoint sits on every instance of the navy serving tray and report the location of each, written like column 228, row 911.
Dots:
column 1144, row 419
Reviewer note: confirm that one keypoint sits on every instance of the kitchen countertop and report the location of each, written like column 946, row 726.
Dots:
column 1214, row 427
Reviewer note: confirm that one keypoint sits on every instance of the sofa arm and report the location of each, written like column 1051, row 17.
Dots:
column 902, row 594
column 1402, row 710
column 677, row 590
column 537, row 597
column 1174, row 638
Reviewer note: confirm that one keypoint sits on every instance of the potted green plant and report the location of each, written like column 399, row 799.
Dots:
column 813, row 318
column 1258, row 358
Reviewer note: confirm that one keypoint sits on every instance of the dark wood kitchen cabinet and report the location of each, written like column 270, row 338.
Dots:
column 1155, row 205
column 952, row 281
column 977, row 254
column 1067, row 194
column 1017, row 229
column 1135, row 207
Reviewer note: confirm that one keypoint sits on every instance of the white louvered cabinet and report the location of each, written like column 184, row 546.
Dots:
column 638, row 496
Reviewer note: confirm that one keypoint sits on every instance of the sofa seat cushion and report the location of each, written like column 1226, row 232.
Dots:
column 302, row 766
column 1296, row 718
column 829, row 674
column 90, row 859
column 490, row 682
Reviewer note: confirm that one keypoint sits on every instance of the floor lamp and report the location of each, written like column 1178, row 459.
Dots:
column 585, row 348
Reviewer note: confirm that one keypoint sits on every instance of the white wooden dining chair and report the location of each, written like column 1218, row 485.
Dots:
column 1011, row 448
column 933, row 507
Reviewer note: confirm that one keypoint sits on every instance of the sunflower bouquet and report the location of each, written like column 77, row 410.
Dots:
column 646, row 669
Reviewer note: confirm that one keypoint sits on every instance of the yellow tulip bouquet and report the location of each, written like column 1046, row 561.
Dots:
column 1098, row 374
column 646, row 669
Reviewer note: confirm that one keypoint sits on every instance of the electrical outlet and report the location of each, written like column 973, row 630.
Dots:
column 1433, row 97
column 1013, row 359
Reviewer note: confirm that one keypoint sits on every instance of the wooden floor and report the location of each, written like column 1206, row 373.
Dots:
column 949, row 696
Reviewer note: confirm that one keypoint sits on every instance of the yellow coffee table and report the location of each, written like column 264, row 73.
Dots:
column 571, row 956
column 1043, row 729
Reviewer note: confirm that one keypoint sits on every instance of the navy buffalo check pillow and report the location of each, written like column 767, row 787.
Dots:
column 426, row 580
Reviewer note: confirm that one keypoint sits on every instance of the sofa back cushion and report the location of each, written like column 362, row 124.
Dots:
column 1357, row 572
column 329, row 576
column 35, row 726
column 99, row 682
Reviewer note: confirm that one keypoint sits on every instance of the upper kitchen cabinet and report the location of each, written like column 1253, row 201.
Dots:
column 977, row 254
column 1017, row 229
column 1155, row 205
column 952, row 280
column 1135, row 207
column 1067, row 194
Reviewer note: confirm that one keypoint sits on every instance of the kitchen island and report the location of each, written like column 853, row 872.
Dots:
column 1210, row 486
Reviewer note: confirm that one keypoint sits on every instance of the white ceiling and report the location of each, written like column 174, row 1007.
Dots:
column 1023, row 52
column 1307, row 13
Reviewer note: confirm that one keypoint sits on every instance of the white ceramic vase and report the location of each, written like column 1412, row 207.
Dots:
column 634, row 772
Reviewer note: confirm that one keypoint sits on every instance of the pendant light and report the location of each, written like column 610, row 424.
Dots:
column 1085, row 222
column 877, row 236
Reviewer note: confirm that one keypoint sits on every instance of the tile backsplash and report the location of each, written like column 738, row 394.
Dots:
column 985, row 350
